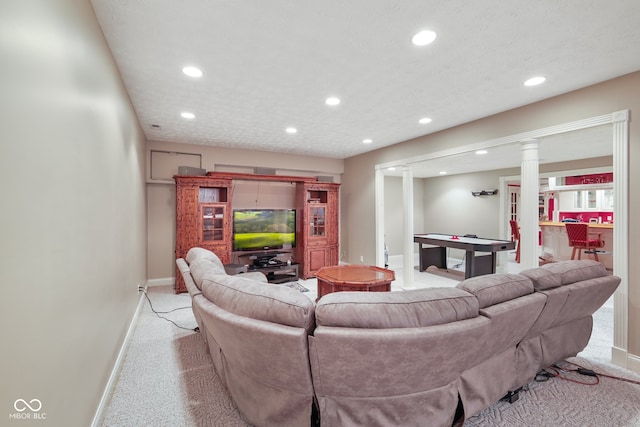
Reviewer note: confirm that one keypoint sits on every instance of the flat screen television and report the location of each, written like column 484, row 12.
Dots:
column 263, row 229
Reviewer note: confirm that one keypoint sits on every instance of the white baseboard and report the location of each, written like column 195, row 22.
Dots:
column 619, row 356
column 163, row 281
column 633, row 363
column 104, row 401
column 625, row 360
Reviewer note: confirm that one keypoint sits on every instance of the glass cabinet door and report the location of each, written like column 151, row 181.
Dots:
column 607, row 199
column 212, row 223
column 317, row 221
column 578, row 200
column 591, row 199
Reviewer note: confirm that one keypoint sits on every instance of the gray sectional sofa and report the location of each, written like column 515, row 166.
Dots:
column 421, row 357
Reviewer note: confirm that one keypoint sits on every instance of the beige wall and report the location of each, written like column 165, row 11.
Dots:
column 358, row 224
column 161, row 196
column 73, row 221
column 451, row 208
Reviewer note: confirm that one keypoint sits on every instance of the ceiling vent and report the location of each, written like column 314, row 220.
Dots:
column 264, row 171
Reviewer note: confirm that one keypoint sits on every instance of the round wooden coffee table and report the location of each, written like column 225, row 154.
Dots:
column 365, row 278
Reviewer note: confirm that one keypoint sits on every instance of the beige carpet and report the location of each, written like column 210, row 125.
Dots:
column 167, row 379
column 559, row 402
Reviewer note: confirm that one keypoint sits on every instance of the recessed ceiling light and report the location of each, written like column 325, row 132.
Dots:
column 392, row 168
column 187, row 115
column 423, row 38
column 367, row 141
column 534, row 81
column 332, row 101
column 443, row 173
column 424, row 120
column 291, row 130
column 481, row 152
column 192, row 71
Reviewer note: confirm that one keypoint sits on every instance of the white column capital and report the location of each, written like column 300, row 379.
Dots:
column 529, row 144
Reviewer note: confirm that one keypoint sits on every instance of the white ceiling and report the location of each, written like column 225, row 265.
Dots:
column 270, row 64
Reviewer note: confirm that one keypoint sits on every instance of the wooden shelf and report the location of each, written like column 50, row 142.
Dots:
column 281, row 273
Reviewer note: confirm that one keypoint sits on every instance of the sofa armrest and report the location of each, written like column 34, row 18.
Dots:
column 185, row 271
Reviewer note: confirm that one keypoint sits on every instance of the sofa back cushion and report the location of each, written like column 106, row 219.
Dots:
column 202, row 253
column 260, row 301
column 377, row 357
column 379, row 310
column 201, row 268
column 493, row 289
column 562, row 273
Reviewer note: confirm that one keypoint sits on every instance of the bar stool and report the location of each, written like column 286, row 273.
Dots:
column 580, row 239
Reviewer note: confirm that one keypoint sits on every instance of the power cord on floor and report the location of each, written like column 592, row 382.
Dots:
column 158, row 313
column 556, row 371
column 582, row 368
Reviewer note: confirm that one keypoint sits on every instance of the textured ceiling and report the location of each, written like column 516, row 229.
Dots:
column 270, row 64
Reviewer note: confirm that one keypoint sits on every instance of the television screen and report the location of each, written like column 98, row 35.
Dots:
column 259, row 229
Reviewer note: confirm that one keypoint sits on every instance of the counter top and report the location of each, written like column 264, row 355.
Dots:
column 561, row 224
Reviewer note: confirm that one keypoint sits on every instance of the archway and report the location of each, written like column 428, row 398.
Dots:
column 620, row 143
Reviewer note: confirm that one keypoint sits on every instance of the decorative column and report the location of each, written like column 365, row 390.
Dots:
column 379, row 211
column 529, row 189
column 407, row 226
column 621, row 259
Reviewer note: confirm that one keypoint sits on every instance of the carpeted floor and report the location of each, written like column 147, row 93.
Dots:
column 560, row 402
column 167, row 379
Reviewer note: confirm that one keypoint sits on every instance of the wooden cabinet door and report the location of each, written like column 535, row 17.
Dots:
column 213, row 223
column 317, row 221
column 316, row 259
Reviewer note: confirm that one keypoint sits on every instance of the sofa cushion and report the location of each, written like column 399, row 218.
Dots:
column 563, row 273
column 257, row 300
column 201, row 268
column 377, row 310
column 492, row 289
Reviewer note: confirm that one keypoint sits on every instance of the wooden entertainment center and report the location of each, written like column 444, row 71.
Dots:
column 204, row 211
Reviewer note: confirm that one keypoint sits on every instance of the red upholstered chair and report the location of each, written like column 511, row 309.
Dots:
column 580, row 238
column 515, row 236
